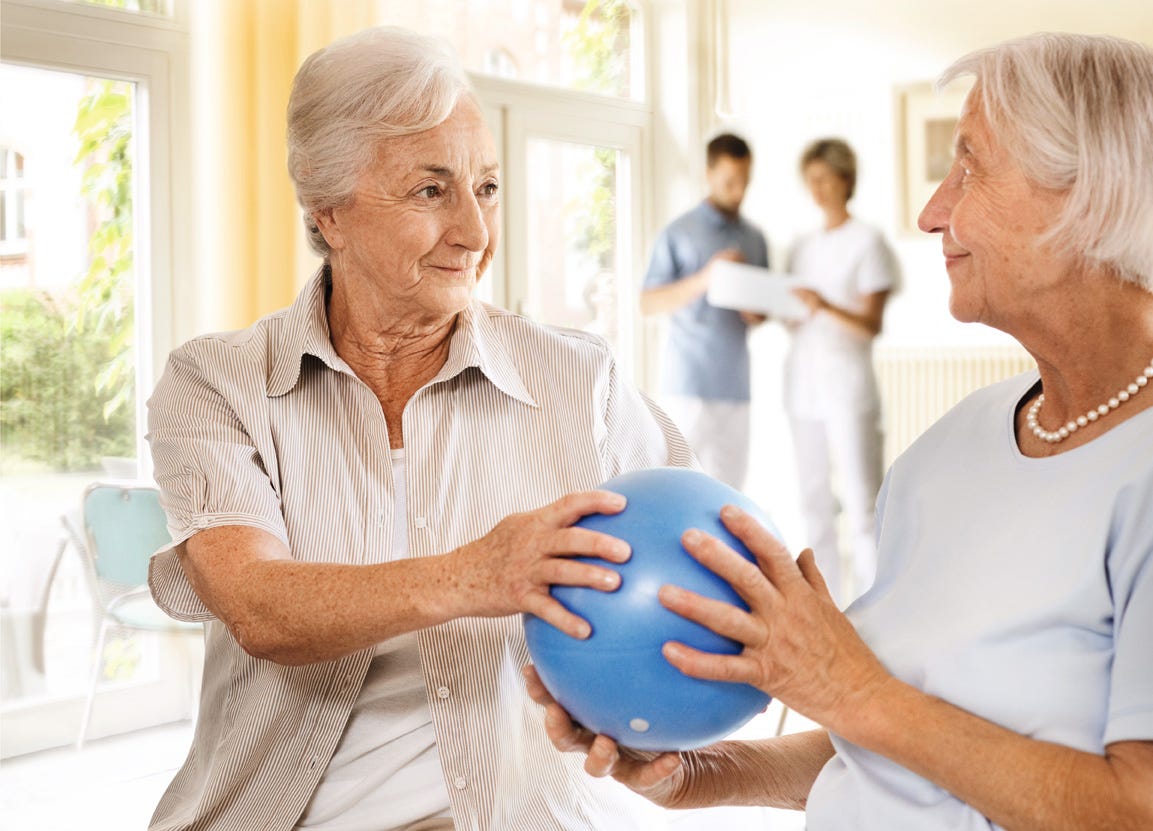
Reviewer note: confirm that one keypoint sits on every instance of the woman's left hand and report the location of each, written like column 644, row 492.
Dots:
column 812, row 299
column 798, row 646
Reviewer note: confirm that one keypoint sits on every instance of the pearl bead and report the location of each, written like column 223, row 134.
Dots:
column 1069, row 427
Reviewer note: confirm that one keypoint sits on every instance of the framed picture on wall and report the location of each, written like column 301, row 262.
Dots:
column 926, row 119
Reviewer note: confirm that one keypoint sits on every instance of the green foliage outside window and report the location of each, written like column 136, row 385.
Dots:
column 69, row 382
column 598, row 44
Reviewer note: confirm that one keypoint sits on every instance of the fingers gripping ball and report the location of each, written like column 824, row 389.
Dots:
column 617, row 681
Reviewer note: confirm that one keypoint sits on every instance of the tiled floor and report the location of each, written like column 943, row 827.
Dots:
column 111, row 785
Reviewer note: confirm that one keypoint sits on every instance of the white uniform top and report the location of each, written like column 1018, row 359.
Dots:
column 829, row 367
column 385, row 773
column 1018, row 589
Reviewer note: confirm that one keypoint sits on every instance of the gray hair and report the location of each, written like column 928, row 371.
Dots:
column 1076, row 112
column 376, row 84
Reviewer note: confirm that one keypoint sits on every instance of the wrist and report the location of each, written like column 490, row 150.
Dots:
column 863, row 718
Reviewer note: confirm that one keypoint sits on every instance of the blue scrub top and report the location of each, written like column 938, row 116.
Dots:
column 708, row 355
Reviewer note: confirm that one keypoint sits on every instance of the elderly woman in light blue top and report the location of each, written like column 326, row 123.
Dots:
column 999, row 673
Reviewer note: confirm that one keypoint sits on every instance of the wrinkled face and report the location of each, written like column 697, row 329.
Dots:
column 828, row 188
column 728, row 178
column 424, row 220
column 990, row 218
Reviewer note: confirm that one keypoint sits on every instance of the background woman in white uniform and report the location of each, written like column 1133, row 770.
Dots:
column 830, row 388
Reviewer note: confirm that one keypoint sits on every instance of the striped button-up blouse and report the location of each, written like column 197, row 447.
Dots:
column 268, row 427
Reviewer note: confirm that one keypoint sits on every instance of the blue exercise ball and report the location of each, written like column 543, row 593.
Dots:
column 616, row 681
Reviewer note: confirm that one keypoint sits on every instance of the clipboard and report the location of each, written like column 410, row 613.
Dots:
column 750, row 288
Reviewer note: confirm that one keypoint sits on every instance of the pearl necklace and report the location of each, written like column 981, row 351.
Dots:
column 1067, row 430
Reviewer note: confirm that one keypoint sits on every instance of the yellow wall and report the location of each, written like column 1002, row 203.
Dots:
column 250, row 249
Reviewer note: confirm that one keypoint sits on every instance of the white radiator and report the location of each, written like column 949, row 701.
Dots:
column 919, row 385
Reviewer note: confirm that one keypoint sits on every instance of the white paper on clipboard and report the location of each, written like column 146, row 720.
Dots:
column 751, row 288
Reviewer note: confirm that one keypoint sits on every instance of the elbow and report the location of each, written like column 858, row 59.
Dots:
column 268, row 645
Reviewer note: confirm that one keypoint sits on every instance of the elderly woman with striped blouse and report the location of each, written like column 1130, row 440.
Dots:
column 365, row 489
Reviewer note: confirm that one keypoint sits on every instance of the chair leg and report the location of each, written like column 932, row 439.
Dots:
column 781, row 723
column 97, row 667
column 40, row 621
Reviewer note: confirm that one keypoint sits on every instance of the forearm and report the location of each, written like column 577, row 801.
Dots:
column 296, row 613
column 860, row 324
column 865, row 321
column 673, row 296
column 776, row 772
column 1019, row 783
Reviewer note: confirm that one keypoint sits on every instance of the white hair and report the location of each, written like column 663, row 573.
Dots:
column 1076, row 113
column 376, row 84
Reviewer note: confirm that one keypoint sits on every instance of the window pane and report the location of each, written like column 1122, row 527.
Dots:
column 572, row 236
column 68, row 382
column 591, row 46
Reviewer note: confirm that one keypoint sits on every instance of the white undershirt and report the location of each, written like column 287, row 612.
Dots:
column 385, row 774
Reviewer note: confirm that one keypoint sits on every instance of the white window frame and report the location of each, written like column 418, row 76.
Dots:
column 12, row 191
column 152, row 52
column 518, row 112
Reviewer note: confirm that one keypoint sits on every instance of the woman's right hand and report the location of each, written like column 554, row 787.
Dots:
column 511, row 568
column 659, row 777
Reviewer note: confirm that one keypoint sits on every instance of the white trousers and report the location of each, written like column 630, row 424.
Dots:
column 848, row 448
column 717, row 431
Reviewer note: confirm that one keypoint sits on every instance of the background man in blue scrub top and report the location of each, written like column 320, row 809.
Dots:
column 705, row 377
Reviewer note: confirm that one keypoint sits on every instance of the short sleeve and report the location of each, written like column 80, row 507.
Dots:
column 209, row 470
column 878, row 270
column 637, row 433
column 762, row 258
column 1130, row 571
column 663, row 267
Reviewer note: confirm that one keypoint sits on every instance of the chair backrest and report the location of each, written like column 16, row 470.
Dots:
column 124, row 525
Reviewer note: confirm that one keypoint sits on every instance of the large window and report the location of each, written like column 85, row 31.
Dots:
column 571, row 140
column 588, row 45
column 90, row 254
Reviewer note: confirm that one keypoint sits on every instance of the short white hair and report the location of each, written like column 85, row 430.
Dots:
column 1076, row 113
column 347, row 97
